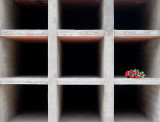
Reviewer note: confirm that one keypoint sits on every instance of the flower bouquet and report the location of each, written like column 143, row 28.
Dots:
column 135, row 74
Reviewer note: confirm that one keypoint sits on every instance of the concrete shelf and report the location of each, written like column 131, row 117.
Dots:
column 134, row 36
column 80, row 81
column 41, row 36
column 26, row 36
column 80, row 36
column 24, row 80
column 134, row 81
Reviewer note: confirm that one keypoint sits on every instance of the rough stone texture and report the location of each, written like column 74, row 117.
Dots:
column 149, row 96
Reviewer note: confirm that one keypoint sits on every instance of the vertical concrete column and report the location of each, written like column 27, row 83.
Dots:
column 108, row 59
column 53, row 109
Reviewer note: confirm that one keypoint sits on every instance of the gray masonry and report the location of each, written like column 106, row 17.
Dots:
column 64, row 60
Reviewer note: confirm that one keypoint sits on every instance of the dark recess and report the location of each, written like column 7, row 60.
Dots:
column 33, row 98
column 80, row 18
column 32, row 18
column 80, row 59
column 126, row 98
column 80, row 98
column 130, row 19
column 33, row 59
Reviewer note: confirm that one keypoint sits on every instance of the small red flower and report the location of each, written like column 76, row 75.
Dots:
column 136, row 76
column 127, row 73
column 131, row 76
column 134, row 73
column 137, row 72
column 131, row 70
column 141, row 74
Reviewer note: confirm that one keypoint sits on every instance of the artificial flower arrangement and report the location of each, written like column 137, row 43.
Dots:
column 135, row 74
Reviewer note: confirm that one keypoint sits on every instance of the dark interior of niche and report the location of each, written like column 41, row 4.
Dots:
column 128, row 56
column 126, row 98
column 130, row 18
column 80, row 98
column 32, row 17
column 80, row 59
column 80, row 18
column 33, row 59
column 33, row 97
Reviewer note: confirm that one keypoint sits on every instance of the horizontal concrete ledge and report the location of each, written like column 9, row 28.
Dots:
column 41, row 36
column 24, row 80
column 44, row 81
column 80, row 81
column 27, row 36
column 135, row 81
column 80, row 35
column 83, row 36
column 127, row 36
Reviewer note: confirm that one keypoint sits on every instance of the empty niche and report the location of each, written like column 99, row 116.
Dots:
column 80, row 15
column 132, row 15
column 33, row 97
column 135, row 103
column 80, row 59
column 32, row 18
column 80, row 103
column 24, row 15
column 26, row 103
column 32, row 59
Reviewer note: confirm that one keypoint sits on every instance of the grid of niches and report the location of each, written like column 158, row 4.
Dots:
column 85, row 50
column 137, row 33
column 23, row 61
column 80, row 60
